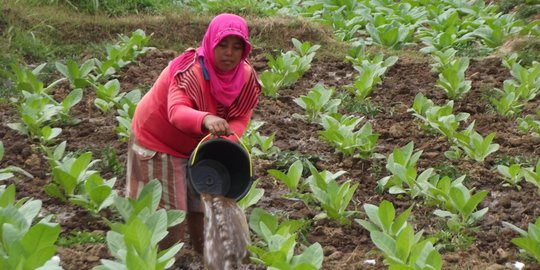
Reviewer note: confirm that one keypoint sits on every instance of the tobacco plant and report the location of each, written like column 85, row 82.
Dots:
column 392, row 35
column 73, row 179
column 404, row 253
column 358, row 56
column 404, row 177
column 95, row 194
column 278, row 243
column 108, row 95
column 371, row 68
column 265, row 225
column 497, row 29
column 442, row 59
column 460, row 205
column 527, row 80
column 532, row 175
column 120, row 54
column 126, row 110
column 370, row 75
column 69, row 174
column 252, row 197
column 439, row 118
column 452, row 78
column 286, row 68
column 279, row 254
column 473, row 144
column 291, row 178
column 333, row 197
column 27, row 80
column 529, row 124
column 383, row 219
column 271, row 83
column 443, row 40
column 318, row 102
column 78, row 77
column 529, row 240
column 508, row 103
column 512, row 174
column 26, row 244
column 263, row 146
column 305, row 50
column 259, row 145
column 394, row 236
column 340, row 132
column 134, row 242
column 126, row 50
column 36, row 112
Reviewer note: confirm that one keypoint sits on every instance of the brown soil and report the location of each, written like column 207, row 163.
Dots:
column 345, row 247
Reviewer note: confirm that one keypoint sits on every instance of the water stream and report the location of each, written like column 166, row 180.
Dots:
column 226, row 233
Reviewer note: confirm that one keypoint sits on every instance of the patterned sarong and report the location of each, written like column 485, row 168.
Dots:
column 144, row 165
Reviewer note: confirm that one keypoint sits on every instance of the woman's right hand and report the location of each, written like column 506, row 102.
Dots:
column 217, row 125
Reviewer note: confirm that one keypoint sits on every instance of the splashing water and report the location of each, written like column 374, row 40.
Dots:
column 226, row 233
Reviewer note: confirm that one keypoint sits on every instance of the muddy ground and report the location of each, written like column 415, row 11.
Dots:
column 345, row 246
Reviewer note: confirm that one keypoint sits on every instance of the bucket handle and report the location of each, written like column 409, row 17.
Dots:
column 239, row 140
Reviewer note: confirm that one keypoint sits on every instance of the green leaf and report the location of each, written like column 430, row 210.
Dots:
column 372, row 212
column 401, row 221
column 168, row 254
column 74, row 97
column 175, row 217
column 259, row 216
column 7, row 197
column 313, row 255
column 404, row 242
column 30, row 210
column 528, row 245
column 137, row 235
column 515, row 228
column 135, row 262
column 473, row 202
column 386, row 215
column 384, row 242
column 38, row 243
column 252, row 197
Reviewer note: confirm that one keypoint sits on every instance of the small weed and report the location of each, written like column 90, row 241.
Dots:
column 242, row 7
column 472, row 50
column 26, row 43
column 110, row 162
column 112, row 7
column 447, row 169
column 527, row 11
column 529, row 51
column 449, row 241
column 377, row 168
column 507, row 5
column 365, row 107
column 508, row 160
column 285, row 159
column 80, row 237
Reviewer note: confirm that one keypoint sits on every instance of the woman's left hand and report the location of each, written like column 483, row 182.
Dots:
column 217, row 125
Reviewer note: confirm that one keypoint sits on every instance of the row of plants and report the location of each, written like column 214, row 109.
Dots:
column 451, row 27
column 72, row 175
column 401, row 245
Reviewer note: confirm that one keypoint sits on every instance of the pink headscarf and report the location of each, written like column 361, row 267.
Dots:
column 224, row 86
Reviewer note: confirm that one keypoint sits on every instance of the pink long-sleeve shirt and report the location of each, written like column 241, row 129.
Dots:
column 169, row 117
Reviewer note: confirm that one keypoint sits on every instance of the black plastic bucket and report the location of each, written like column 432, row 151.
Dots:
column 220, row 167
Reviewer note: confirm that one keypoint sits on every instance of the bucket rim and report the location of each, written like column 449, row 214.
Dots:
column 240, row 145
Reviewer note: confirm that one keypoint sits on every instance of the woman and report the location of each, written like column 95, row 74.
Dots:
column 211, row 89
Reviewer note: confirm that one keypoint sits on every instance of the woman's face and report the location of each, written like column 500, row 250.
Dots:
column 228, row 53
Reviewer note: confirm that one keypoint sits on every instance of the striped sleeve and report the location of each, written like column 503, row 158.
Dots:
column 183, row 107
column 248, row 98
